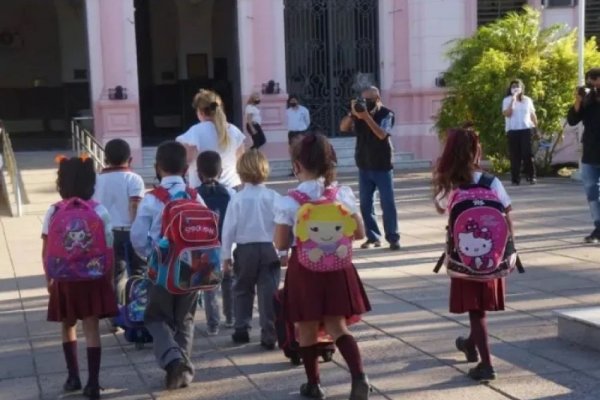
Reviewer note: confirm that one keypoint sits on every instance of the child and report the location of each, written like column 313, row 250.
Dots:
column 87, row 301
column 217, row 197
column 249, row 224
column 169, row 318
column 321, row 299
column 120, row 191
column 459, row 165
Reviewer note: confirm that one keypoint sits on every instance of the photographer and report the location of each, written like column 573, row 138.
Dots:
column 586, row 109
column 373, row 124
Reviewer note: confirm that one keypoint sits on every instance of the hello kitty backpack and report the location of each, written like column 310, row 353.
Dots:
column 324, row 230
column 479, row 244
column 76, row 248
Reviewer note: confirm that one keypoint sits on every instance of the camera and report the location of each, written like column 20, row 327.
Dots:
column 360, row 105
column 583, row 91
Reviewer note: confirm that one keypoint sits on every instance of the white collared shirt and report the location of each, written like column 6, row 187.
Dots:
column 115, row 188
column 298, row 118
column 249, row 218
column 521, row 115
column 145, row 230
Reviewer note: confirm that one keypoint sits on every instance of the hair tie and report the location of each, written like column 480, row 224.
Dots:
column 60, row 158
column 213, row 106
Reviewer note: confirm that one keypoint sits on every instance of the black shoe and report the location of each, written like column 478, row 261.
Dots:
column 482, row 373
column 515, row 183
column 395, row 246
column 369, row 243
column 360, row 389
column 240, row 337
column 593, row 237
column 176, row 378
column 92, row 392
column 267, row 346
column 532, row 181
column 471, row 354
column 72, row 384
column 312, row 391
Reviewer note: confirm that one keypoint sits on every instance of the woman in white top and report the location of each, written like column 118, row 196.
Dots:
column 521, row 123
column 254, row 121
column 213, row 132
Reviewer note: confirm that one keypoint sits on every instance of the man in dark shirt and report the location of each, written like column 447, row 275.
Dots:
column 587, row 110
column 373, row 156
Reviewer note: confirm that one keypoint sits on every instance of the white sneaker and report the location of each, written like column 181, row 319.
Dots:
column 212, row 331
column 228, row 324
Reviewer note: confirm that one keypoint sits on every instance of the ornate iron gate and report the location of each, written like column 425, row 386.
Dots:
column 331, row 53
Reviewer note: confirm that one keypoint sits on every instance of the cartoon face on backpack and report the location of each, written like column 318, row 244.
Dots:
column 476, row 243
column 77, row 235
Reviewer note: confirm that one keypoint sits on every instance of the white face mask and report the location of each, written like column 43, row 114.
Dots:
column 515, row 90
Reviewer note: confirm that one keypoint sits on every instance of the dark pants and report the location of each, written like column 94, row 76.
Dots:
column 127, row 262
column 295, row 135
column 258, row 139
column 519, row 145
column 590, row 176
column 383, row 181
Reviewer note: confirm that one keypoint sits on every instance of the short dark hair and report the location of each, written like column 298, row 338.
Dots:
column 171, row 157
column 593, row 73
column 76, row 178
column 515, row 82
column 117, row 152
column 209, row 165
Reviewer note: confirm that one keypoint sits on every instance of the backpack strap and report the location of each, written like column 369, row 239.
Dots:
column 299, row 196
column 439, row 263
column 519, row 266
column 486, row 180
column 330, row 193
column 162, row 194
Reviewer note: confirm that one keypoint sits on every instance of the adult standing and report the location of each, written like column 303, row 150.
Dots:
column 586, row 109
column 373, row 123
column 520, row 125
column 298, row 121
column 254, row 121
column 213, row 132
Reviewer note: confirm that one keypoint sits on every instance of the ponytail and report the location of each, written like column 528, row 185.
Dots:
column 211, row 105
column 220, row 121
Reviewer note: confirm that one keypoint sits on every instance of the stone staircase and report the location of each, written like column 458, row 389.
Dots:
column 581, row 326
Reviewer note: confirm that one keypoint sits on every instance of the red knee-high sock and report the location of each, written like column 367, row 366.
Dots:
column 479, row 336
column 93, row 355
column 70, row 350
column 349, row 350
column 310, row 358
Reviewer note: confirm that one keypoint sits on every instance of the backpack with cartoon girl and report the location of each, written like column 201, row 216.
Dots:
column 324, row 231
column 479, row 244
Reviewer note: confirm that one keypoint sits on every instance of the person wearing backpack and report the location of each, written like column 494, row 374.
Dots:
column 217, row 197
column 168, row 317
column 456, row 171
column 78, row 262
column 322, row 287
column 256, row 267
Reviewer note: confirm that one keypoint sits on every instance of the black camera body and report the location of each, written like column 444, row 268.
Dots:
column 360, row 104
column 583, row 91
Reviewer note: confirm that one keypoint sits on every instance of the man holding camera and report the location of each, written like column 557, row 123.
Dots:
column 586, row 109
column 373, row 123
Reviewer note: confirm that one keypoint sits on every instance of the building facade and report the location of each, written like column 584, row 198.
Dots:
column 66, row 58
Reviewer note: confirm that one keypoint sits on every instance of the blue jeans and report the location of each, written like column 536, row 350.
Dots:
column 590, row 176
column 383, row 181
column 211, row 304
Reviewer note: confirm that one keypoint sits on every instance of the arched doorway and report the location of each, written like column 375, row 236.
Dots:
column 43, row 70
column 184, row 45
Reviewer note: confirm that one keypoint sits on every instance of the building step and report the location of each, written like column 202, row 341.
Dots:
column 581, row 326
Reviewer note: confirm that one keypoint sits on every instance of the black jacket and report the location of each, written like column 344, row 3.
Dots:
column 589, row 113
column 371, row 152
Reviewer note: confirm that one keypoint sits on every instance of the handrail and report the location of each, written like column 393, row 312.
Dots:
column 10, row 162
column 83, row 141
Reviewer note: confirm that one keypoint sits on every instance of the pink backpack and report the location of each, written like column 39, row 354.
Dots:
column 479, row 244
column 76, row 248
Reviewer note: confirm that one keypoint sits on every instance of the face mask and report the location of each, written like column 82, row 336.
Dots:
column 371, row 104
column 293, row 104
column 256, row 101
column 515, row 90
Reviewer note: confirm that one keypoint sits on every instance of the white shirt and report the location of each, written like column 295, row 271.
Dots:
column 298, row 118
column 114, row 189
column 204, row 136
column 521, row 115
column 249, row 218
column 100, row 210
column 254, row 113
column 496, row 187
column 145, row 230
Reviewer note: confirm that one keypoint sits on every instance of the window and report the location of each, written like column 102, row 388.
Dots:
column 491, row 10
column 592, row 19
column 559, row 3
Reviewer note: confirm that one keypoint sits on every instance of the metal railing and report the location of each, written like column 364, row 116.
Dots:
column 83, row 141
column 10, row 163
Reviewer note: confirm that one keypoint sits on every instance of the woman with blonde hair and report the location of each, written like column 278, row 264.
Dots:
column 254, row 120
column 213, row 132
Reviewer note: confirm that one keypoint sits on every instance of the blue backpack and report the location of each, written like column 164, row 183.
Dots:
column 217, row 197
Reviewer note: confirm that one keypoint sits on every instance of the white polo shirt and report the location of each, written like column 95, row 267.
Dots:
column 115, row 187
column 521, row 115
column 298, row 118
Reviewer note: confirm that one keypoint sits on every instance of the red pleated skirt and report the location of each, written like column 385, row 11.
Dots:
column 310, row 296
column 72, row 301
column 468, row 295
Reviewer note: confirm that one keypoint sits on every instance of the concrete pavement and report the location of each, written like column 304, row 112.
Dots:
column 407, row 340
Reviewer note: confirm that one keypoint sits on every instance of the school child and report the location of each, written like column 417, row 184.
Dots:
column 120, row 191
column 72, row 300
column 313, row 298
column 249, row 224
column 459, row 166
column 216, row 196
column 169, row 318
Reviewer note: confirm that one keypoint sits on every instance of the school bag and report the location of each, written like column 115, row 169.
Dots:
column 216, row 196
column 186, row 258
column 479, row 245
column 76, row 247
column 131, row 313
column 324, row 231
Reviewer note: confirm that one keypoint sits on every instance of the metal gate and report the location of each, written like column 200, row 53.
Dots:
column 331, row 53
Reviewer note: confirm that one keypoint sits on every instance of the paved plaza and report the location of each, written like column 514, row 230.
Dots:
column 407, row 341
